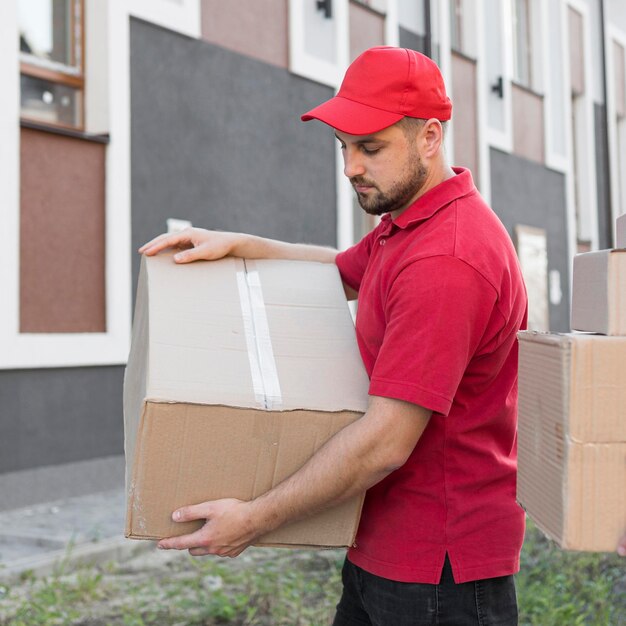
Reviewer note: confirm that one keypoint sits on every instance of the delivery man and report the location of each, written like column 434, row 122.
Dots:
column 441, row 299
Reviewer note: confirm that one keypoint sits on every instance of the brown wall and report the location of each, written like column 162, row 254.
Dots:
column 528, row 124
column 576, row 51
column 259, row 29
column 464, row 114
column 62, row 288
column 367, row 29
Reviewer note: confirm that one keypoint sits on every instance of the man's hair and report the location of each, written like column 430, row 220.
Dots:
column 412, row 125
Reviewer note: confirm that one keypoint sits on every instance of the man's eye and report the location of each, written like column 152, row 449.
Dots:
column 369, row 150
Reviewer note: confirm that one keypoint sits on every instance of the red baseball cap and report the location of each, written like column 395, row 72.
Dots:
column 381, row 86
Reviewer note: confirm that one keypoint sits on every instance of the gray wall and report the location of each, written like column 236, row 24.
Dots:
column 412, row 41
column 63, row 415
column 217, row 139
column 605, row 220
column 525, row 192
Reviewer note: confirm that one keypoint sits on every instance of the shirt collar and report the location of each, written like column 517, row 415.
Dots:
column 434, row 199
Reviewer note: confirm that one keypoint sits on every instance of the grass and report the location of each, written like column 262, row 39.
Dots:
column 290, row 588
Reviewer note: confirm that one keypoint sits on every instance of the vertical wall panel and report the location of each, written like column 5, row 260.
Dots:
column 619, row 73
column 577, row 52
column 62, row 287
column 367, row 29
column 258, row 29
column 465, row 117
column 527, row 124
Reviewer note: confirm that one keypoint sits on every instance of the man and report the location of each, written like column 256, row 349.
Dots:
column 441, row 299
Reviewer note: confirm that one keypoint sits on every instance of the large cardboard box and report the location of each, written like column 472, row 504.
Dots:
column 239, row 370
column 620, row 229
column 572, row 437
column 599, row 292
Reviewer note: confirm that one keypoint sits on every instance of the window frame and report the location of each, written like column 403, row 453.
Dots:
column 522, row 60
column 55, row 72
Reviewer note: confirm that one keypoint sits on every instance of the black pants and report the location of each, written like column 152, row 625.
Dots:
column 369, row 600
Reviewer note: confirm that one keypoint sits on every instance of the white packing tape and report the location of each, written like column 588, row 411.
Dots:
column 260, row 353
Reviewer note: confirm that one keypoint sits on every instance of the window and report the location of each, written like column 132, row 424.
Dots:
column 521, row 42
column 456, row 25
column 51, row 61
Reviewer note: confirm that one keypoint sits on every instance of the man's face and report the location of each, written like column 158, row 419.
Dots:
column 384, row 168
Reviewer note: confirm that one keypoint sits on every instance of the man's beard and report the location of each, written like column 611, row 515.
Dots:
column 398, row 196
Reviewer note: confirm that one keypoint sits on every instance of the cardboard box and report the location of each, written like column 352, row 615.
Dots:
column 620, row 231
column 238, row 371
column 599, row 292
column 572, row 437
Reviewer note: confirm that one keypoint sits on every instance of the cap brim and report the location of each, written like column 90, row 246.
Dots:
column 351, row 117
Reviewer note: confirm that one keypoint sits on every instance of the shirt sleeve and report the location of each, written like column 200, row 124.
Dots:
column 437, row 311
column 352, row 262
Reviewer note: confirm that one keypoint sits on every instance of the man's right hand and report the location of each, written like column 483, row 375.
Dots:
column 194, row 244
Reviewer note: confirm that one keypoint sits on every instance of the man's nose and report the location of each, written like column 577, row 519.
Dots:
column 352, row 164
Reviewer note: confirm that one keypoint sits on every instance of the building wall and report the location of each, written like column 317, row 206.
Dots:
column 526, row 193
column 210, row 132
column 233, row 153
column 54, row 420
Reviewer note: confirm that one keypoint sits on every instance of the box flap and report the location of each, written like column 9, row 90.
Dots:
column 572, row 487
column 266, row 334
column 543, row 403
column 599, row 292
column 135, row 373
column 191, row 453
column 576, row 380
column 590, row 292
column 594, row 492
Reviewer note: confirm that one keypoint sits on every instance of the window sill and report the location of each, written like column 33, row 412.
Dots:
column 66, row 132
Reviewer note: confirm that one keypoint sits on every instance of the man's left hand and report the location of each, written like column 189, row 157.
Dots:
column 228, row 529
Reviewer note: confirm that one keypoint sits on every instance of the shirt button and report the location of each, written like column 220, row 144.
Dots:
column 383, row 242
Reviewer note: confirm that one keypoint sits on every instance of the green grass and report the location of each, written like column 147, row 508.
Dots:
column 290, row 588
column 557, row 588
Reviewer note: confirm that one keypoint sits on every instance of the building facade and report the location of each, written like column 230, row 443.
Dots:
column 119, row 115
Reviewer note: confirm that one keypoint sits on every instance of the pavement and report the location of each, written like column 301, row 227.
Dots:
column 80, row 530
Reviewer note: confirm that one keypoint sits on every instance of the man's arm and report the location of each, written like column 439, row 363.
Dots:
column 197, row 244
column 356, row 458
column 200, row 244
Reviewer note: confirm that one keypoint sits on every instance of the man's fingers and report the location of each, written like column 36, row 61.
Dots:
column 199, row 552
column 193, row 254
column 192, row 512
column 166, row 240
column 184, row 542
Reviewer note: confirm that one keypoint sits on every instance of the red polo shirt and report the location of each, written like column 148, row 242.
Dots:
column 441, row 299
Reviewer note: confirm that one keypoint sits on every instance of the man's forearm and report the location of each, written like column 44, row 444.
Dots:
column 356, row 458
column 353, row 460
column 252, row 247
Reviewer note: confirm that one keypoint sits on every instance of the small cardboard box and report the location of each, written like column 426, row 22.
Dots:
column 620, row 231
column 572, row 437
column 239, row 370
column 599, row 292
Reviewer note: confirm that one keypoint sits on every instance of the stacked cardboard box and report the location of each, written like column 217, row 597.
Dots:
column 239, row 370
column 572, row 413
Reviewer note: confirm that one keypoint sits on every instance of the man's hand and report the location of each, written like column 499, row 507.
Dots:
column 621, row 547
column 228, row 529
column 195, row 244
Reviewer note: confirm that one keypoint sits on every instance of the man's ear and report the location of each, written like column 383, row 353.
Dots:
column 432, row 137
